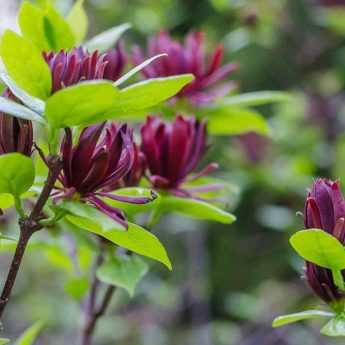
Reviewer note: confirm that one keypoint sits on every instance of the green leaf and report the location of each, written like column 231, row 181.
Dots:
column 6, row 201
column 335, row 327
column 17, row 173
column 89, row 218
column 4, row 341
column 304, row 315
column 123, row 271
column 147, row 93
column 78, row 21
column 30, row 335
column 319, row 247
column 106, row 39
column 135, row 238
column 195, row 209
column 137, row 69
column 25, row 65
column 77, row 288
column 17, row 110
column 80, row 104
column 35, row 104
column 231, row 121
column 255, row 98
column 45, row 27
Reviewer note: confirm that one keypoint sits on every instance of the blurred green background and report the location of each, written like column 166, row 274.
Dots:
column 228, row 282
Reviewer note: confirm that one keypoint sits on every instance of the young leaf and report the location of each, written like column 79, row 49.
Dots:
column 30, row 335
column 106, row 39
column 148, row 93
column 232, row 121
column 25, row 65
column 135, row 238
column 35, row 104
column 89, row 218
column 255, row 98
column 78, row 21
column 304, row 315
column 80, row 104
column 335, row 327
column 319, row 247
column 17, row 173
column 195, row 209
column 15, row 109
column 77, row 287
column 123, row 271
column 137, row 69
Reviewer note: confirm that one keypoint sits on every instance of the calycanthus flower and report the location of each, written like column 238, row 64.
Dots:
column 173, row 151
column 189, row 57
column 103, row 156
column 325, row 209
column 69, row 68
column 16, row 135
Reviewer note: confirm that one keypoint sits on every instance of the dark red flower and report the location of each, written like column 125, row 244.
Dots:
column 173, row 151
column 325, row 209
column 16, row 135
column 254, row 146
column 71, row 67
column 188, row 58
column 103, row 156
column 330, row 3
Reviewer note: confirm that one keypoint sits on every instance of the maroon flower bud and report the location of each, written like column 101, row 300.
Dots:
column 16, row 135
column 103, row 156
column 325, row 209
column 70, row 68
column 173, row 151
column 188, row 58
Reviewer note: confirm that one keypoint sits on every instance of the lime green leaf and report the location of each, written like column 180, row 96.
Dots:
column 45, row 27
column 4, row 341
column 30, row 335
column 335, row 327
column 80, row 104
column 17, row 173
column 319, row 247
column 255, row 98
column 304, row 315
column 78, row 21
column 25, row 65
column 195, row 209
column 231, row 121
column 123, row 271
column 6, row 201
column 77, row 288
column 106, row 39
column 148, row 93
column 35, row 104
column 89, row 218
column 137, row 69
column 15, row 109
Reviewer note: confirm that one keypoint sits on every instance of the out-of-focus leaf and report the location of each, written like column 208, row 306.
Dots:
column 123, row 271
column 17, row 173
column 304, row 315
column 335, row 327
column 234, row 121
column 30, row 335
column 77, row 287
column 78, row 21
column 80, row 104
column 106, row 39
column 255, row 98
column 4, row 341
column 195, row 209
column 319, row 247
column 25, row 65
column 137, row 69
